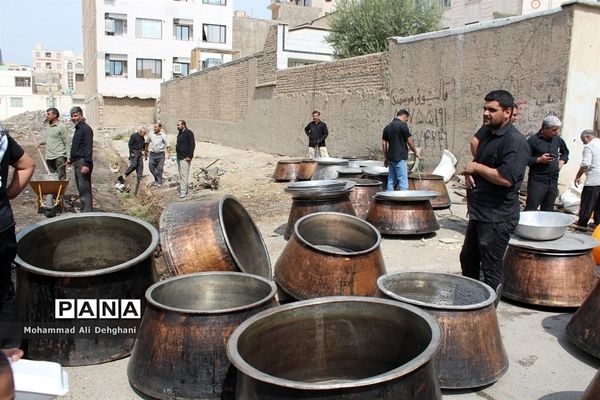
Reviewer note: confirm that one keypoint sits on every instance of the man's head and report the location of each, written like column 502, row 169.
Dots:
column 181, row 125
column 142, row 131
column 498, row 108
column 157, row 127
column 52, row 115
column 76, row 114
column 550, row 126
column 587, row 136
column 403, row 115
column 515, row 114
column 316, row 115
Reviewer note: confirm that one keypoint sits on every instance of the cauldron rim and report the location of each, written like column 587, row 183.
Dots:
column 341, row 215
column 395, row 296
column 96, row 272
column 153, row 302
column 228, row 244
column 426, row 355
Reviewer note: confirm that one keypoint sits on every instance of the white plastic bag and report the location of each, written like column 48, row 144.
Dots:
column 571, row 198
column 446, row 166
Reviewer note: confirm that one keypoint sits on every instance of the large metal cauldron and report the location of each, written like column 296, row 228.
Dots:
column 307, row 169
column 584, row 327
column 286, row 170
column 337, row 348
column 84, row 256
column 431, row 182
column 402, row 217
column 472, row 353
column 362, row 194
column 212, row 235
column 180, row 350
column 548, row 278
column 327, row 168
column 330, row 254
column 593, row 390
column 302, row 206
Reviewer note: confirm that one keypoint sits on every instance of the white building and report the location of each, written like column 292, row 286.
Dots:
column 302, row 45
column 132, row 46
column 57, row 71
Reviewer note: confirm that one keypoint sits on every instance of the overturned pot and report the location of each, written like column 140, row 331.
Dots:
column 584, row 329
column 330, row 254
column 472, row 353
column 337, row 348
column 306, row 170
column 431, row 182
column 90, row 259
column 286, row 170
column 180, row 350
column 362, row 195
column 212, row 235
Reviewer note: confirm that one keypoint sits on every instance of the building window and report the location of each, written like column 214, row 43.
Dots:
column 16, row 102
column 148, row 28
column 213, row 33
column 48, row 54
column 115, row 24
column 182, row 29
column 22, row 81
column 78, row 77
column 70, row 82
column 148, row 68
column 50, row 101
column 69, row 65
column 116, row 65
column 210, row 62
column 215, row 2
column 79, row 64
column 447, row 3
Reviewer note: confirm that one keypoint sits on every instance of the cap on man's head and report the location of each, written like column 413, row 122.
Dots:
column 551, row 120
column 76, row 109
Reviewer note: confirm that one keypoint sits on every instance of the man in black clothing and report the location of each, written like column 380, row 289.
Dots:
column 82, row 147
column 493, row 181
column 137, row 154
column 395, row 142
column 185, row 146
column 548, row 155
column 11, row 154
column 317, row 132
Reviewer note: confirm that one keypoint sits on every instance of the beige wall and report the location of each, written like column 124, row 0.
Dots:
column 249, row 34
column 116, row 112
column 441, row 78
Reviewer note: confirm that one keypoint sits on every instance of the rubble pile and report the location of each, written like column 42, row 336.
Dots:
column 29, row 124
column 207, row 178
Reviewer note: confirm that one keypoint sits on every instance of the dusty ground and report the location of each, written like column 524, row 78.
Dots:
column 544, row 365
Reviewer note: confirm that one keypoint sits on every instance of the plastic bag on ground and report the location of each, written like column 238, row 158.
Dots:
column 446, row 166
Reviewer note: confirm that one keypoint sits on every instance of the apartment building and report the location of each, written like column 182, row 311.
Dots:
column 132, row 46
column 57, row 71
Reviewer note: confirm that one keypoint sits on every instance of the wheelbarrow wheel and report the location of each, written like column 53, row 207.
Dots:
column 49, row 210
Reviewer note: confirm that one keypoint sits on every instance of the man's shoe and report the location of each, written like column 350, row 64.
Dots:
column 181, row 196
column 120, row 179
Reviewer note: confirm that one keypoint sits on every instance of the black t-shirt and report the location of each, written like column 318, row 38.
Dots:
column 538, row 144
column 396, row 133
column 507, row 151
column 136, row 142
column 13, row 153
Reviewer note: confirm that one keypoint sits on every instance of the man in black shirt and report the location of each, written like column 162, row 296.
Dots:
column 137, row 153
column 548, row 155
column 317, row 132
column 493, row 180
column 185, row 146
column 82, row 147
column 395, row 142
column 11, row 154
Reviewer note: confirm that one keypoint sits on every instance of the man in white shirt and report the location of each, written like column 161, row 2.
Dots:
column 158, row 146
column 590, row 166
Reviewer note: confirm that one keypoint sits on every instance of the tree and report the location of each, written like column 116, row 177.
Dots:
column 361, row 27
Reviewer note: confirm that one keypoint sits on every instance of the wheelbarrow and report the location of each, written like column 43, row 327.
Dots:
column 49, row 194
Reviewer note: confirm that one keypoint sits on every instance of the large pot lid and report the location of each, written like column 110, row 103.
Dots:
column 375, row 170
column 570, row 242
column 407, row 195
column 330, row 160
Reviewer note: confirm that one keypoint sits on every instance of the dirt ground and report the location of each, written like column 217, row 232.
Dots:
column 544, row 365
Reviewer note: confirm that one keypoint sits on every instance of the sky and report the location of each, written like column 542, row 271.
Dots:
column 56, row 24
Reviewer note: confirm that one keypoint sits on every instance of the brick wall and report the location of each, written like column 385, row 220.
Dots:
column 117, row 112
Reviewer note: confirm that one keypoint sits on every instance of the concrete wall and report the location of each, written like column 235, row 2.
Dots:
column 249, row 34
column 440, row 77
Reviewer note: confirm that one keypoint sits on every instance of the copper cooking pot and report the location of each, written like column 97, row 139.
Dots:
column 212, row 235
column 180, row 350
column 593, row 390
column 351, row 348
column 308, row 205
column 362, row 194
column 99, row 256
column 431, row 182
column 286, row 170
column 472, row 353
column 584, row 327
column 330, row 254
column 402, row 218
column 548, row 278
column 328, row 170
column 307, row 169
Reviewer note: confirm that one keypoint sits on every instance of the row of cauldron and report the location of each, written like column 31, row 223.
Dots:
column 349, row 331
